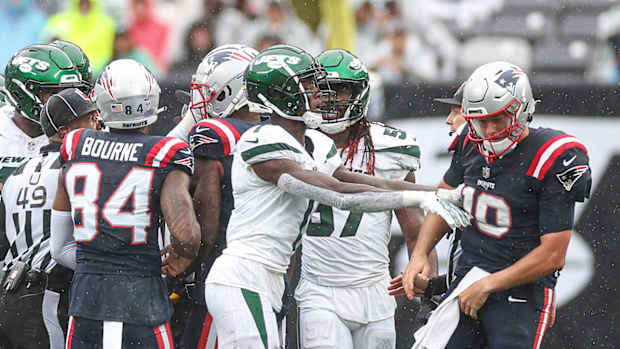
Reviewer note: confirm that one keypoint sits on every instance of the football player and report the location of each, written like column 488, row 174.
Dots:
column 521, row 185
column 345, row 260
column 80, row 60
column 219, row 100
column 33, row 74
column 35, row 295
column 113, row 193
column 277, row 167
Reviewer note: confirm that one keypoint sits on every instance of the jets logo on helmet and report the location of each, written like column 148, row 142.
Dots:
column 277, row 61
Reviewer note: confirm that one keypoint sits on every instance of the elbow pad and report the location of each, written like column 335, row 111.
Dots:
column 181, row 130
column 62, row 245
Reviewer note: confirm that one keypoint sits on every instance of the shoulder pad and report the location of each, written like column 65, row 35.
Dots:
column 556, row 148
column 213, row 138
column 398, row 149
column 267, row 142
column 171, row 152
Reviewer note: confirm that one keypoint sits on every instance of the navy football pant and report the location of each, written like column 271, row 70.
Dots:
column 199, row 329
column 96, row 334
column 513, row 319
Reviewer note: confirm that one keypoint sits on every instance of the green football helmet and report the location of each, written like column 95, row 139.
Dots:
column 35, row 70
column 346, row 74
column 79, row 59
column 274, row 83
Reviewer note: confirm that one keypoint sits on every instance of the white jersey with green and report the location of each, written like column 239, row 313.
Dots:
column 16, row 147
column 267, row 223
column 345, row 248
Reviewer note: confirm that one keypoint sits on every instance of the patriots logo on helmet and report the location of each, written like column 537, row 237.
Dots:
column 508, row 78
column 569, row 177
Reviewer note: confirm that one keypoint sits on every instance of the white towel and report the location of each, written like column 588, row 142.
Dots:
column 443, row 321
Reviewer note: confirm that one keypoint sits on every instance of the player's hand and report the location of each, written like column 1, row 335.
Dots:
column 453, row 215
column 397, row 290
column 418, row 267
column 173, row 264
column 455, row 195
column 473, row 298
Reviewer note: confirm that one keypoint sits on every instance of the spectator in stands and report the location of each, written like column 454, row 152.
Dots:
column 367, row 34
column 279, row 20
column 198, row 42
column 235, row 24
column 124, row 48
column 267, row 40
column 148, row 32
column 85, row 24
column 403, row 56
column 20, row 25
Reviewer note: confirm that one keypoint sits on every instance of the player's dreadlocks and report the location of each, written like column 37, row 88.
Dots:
column 359, row 130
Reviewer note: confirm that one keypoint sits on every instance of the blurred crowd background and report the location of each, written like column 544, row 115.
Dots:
column 560, row 42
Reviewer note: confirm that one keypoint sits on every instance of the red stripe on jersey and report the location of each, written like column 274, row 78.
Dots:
column 465, row 141
column 204, row 334
column 70, row 335
column 171, row 152
column 453, row 144
column 212, row 124
column 541, row 151
column 159, row 338
column 542, row 324
column 555, row 155
column 153, row 152
column 169, row 335
column 231, row 128
column 74, row 142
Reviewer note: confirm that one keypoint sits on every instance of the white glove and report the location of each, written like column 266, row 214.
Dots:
column 455, row 195
column 453, row 215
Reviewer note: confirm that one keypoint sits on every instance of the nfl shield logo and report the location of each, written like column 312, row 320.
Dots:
column 486, row 171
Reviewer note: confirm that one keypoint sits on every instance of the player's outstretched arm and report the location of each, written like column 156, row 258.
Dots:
column 290, row 177
column 176, row 205
column 62, row 244
column 207, row 201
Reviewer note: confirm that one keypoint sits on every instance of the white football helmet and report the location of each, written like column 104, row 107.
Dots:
column 494, row 89
column 127, row 95
column 217, row 88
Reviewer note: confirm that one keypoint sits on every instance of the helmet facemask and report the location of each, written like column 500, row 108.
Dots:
column 346, row 104
column 297, row 92
column 201, row 94
column 496, row 145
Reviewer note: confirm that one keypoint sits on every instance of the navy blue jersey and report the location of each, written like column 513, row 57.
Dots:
column 529, row 192
column 216, row 139
column 114, row 182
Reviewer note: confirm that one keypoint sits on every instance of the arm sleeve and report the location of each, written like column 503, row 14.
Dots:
column 364, row 201
column 62, row 245
column 182, row 129
column 562, row 186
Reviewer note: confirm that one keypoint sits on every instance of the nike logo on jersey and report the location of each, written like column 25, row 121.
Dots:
column 255, row 140
column 512, row 299
column 200, row 129
column 569, row 161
